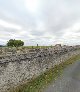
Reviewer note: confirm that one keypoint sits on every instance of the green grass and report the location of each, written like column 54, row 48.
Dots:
column 34, row 47
column 42, row 81
column 30, row 47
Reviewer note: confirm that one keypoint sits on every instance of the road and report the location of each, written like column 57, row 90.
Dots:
column 68, row 82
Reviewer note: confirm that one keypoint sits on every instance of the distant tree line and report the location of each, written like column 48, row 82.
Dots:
column 1, row 46
column 15, row 43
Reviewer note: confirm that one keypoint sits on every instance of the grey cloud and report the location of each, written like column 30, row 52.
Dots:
column 60, row 15
column 37, row 33
column 56, row 15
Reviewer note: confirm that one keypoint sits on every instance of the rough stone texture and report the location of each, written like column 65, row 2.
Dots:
column 15, row 69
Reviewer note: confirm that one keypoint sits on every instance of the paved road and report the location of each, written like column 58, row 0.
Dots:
column 68, row 82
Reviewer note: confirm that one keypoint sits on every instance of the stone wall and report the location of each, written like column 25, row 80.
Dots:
column 16, row 69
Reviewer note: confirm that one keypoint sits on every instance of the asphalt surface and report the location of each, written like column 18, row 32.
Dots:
column 68, row 82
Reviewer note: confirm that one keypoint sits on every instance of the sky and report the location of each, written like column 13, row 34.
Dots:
column 43, row 22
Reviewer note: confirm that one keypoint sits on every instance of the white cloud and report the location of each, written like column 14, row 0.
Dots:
column 9, row 25
column 32, row 5
column 40, row 21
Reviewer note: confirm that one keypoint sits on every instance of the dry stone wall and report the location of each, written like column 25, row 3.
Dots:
column 16, row 69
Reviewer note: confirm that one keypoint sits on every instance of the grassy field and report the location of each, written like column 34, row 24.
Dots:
column 29, row 47
column 34, row 47
column 39, row 83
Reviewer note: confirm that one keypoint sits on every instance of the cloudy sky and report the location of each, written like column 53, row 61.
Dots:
column 45, row 22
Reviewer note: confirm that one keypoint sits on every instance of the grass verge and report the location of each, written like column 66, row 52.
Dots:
column 37, row 84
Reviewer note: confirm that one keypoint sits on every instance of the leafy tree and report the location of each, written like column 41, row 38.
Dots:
column 15, row 43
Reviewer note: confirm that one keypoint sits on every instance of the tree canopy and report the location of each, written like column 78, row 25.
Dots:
column 15, row 43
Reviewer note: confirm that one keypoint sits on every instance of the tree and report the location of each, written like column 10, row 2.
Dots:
column 15, row 43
